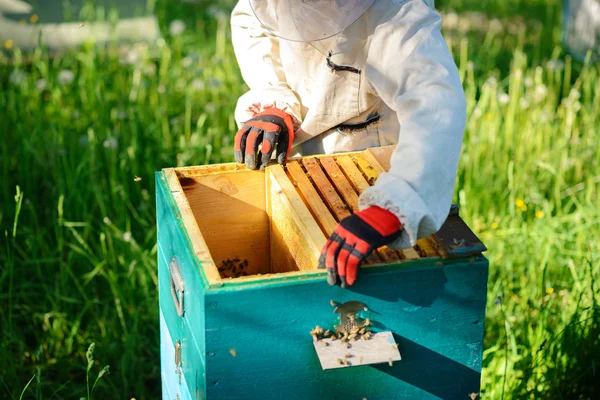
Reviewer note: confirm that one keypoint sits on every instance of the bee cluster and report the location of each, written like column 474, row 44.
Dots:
column 233, row 268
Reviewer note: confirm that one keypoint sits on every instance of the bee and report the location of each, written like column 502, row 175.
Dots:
column 367, row 322
column 325, row 343
column 352, row 337
column 348, row 355
column 395, row 346
column 340, row 361
column 327, row 333
column 81, row 25
column 333, row 303
column 137, row 179
column 233, row 352
column 315, row 337
column 348, row 345
column 362, row 331
column 390, row 362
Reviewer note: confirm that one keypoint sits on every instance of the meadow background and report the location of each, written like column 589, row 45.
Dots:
column 78, row 235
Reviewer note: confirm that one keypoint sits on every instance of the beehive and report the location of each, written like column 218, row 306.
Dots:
column 239, row 290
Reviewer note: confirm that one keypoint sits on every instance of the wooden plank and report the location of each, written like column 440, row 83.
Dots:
column 318, row 208
column 188, row 220
column 371, row 174
column 455, row 239
column 410, row 254
column 230, row 210
column 354, row 175
column 426, row 248
column 341, row 182
column 325, row 188
column 381, row 348
column 296, row 238
column 380, row 156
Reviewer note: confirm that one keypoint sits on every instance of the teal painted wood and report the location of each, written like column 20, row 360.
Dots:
column 187, row 330
column 436, row 314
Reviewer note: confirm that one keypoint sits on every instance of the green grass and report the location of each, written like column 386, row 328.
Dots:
column 78, row 251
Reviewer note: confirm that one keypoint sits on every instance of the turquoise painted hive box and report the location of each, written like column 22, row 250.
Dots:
column 241, row 298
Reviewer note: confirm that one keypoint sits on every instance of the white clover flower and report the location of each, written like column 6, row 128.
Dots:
column 161, row 89
column 106, row 220
column 41, row 85
column 198, row 85
column 187, row 62
column 65, row 77
column 470, row 66
column 17, row 77
column 177, row 27
column 503, row 98
column 132, row 57
column 528, row 81
column 110, row 143
column 127, row 236
column 524, row 103
column 576, row 106
column 477, row 112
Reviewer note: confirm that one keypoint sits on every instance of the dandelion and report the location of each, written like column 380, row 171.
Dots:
column 177, row 27
column 150, row 69
column 8, row 44
column 540, row 92
column 495, row 225
column 214, row 83
column 34, row 18
column 41, row 85
column 488, row 116
column 539, row 214
column 17, row 77
column 521, row 205
column 110, row 143
column 503, row 98
column 198, row 85
column 127, row 236
column 65, row 77
column 550, row 290
column 495, row 27
column 555, row 65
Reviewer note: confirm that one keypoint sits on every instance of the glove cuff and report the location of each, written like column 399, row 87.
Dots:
column 382, row 220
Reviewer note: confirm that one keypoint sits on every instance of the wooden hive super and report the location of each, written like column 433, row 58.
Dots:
column 239, row 291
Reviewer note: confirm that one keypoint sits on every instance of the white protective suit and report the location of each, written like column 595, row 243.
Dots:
column 404, row 88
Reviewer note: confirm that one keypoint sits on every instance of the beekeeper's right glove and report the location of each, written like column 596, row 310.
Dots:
column 269, row 128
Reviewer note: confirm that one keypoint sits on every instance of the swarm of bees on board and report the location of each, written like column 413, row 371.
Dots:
column 350, row 329
column 233, row 268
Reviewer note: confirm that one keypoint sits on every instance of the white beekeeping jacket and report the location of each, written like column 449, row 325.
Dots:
column 393, row 81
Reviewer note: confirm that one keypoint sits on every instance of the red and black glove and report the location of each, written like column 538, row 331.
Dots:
column 270, row 127
column 354, row 239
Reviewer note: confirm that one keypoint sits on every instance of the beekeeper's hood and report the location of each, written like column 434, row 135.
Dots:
column 308, row 20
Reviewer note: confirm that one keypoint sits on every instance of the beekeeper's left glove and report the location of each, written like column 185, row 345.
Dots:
column 269, row 128
column 354, row 238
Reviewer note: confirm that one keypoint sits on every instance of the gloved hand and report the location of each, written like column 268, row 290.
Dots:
column 354, row 239
column 268, row 127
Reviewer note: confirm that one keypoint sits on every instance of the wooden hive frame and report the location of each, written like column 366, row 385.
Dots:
column 296, row 208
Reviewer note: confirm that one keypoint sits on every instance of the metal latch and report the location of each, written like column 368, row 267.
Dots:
column 176, row 287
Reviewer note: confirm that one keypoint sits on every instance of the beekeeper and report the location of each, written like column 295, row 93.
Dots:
column 329, row 76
